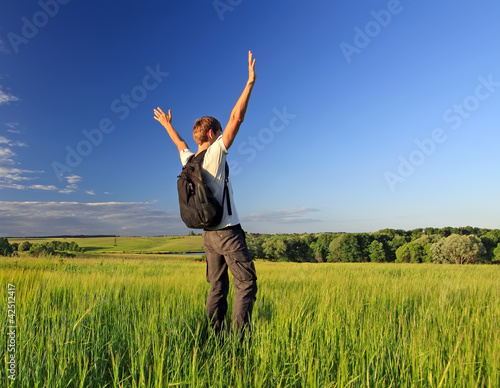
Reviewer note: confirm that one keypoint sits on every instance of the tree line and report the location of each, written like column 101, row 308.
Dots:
column 53, row 248
column 464, row 245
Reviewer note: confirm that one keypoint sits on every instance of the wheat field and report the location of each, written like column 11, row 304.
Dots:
column 115, row 322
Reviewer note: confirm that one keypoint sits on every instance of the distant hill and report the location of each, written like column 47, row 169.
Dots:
column 65, row 236
column 110, row 243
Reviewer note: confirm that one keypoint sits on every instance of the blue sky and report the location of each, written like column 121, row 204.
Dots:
column 365, row 115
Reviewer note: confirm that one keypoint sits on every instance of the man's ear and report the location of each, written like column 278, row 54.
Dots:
column 210, row 133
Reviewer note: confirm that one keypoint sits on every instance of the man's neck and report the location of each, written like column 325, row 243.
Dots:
column 202, row 147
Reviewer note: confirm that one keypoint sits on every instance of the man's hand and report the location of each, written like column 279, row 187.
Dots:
column 162, row 117
column 166, row 121
column 251, row 68
column 239, row 110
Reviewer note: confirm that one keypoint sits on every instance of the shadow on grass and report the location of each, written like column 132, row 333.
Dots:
column 93, row 249
column 264, row 309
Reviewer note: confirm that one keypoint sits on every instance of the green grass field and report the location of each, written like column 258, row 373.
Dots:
column 175, row 244
column 111, row 322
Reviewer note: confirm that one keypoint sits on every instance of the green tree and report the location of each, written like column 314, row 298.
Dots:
column 364, row 241
column 446, row 231
column 403, row 254
column 41, row 249
column 73, row 246
column 5, row 248
column 334, row 250
column 254, row 243
column 496, row 255
column 416, row 233
column 321, row 246
column 490, row 240
column 417, row 252
column 53, row 245
column 393, row 244
column 424, row 243
column 430, row 231
column 274, row 249
column 350, row 249
column 298, row 249
column 376, row 252
column 25, row 246
column 458, row 249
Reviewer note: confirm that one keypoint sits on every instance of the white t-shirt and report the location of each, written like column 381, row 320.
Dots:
column 214, row 171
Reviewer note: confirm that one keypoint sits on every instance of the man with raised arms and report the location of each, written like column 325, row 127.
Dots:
column 225, row 244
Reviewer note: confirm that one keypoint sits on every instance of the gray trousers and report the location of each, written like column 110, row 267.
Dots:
column 227, row 249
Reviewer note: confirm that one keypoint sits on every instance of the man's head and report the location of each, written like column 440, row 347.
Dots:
column 206, row 129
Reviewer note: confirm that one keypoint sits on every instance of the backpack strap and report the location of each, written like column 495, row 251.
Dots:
column 200, row 158
column 226, row 192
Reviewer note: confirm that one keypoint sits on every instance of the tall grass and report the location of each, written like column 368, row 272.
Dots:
column 141, row 323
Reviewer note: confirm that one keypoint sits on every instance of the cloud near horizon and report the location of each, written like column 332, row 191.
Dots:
column 18, row 219
column 281, row 216
column 34, row 218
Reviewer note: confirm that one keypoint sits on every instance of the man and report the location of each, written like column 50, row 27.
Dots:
column 225, row 245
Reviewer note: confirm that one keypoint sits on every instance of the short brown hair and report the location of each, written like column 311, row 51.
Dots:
column 202, row 126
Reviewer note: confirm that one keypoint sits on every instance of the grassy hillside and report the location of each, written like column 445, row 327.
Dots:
column 173, row 244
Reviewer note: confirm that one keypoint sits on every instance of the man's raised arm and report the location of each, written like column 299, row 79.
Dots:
column 166, row 121
column 239, row 110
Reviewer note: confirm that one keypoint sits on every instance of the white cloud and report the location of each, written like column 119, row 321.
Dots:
column 90, row 192
column 10, row 176
column 72, row 179
column 4, row 140
column 67, row 190
column 43, row 187
column 57, row 218
column 293, row 215
column 72, row 186
column 13, row 127
column 6, row 156
column 10, row 185
column 6, row 97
